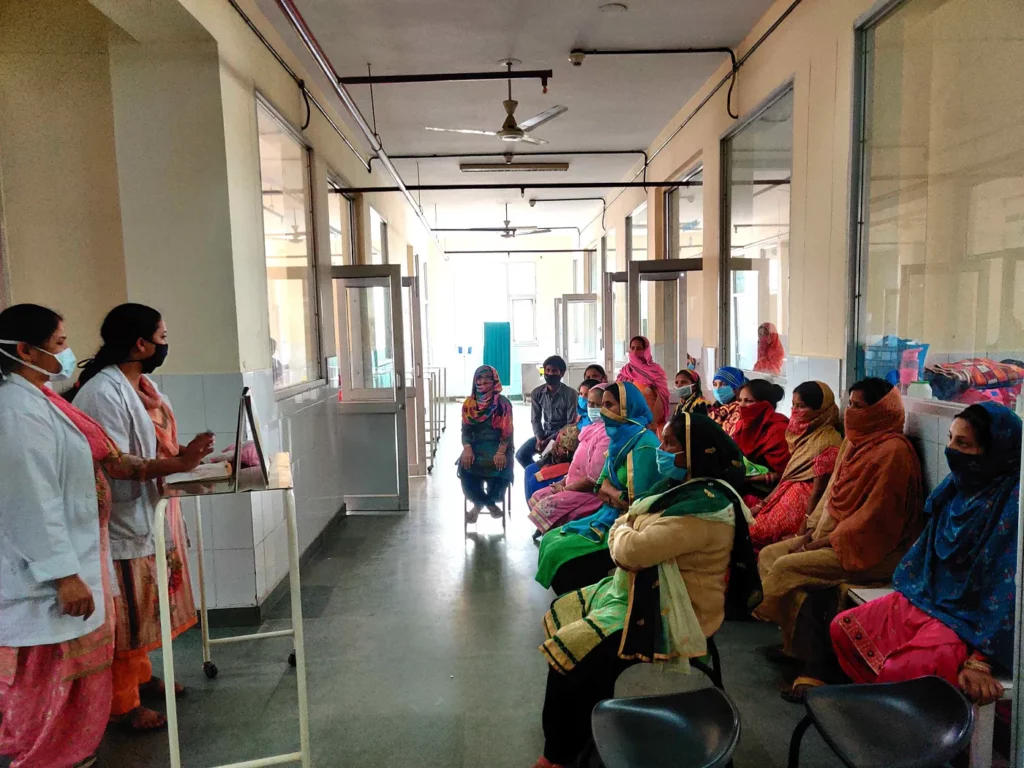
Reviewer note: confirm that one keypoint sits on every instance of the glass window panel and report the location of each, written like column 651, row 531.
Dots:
column 690, row 202
column 620, row 324
column 522, row 278
column 290, row 258
column 942, row 241
column 367, row 311
column 759, row 163
column 523, row 321
column 638, row 233
column 339, row 221
column 378, row 238
column 611, row 258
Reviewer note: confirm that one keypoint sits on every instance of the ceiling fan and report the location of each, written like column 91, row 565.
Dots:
column 511, row 130
column 508, row 231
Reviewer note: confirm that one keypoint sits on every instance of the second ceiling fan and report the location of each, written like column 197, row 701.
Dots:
column 512, row 130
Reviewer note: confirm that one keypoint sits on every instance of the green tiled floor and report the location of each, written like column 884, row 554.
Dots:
column 421, row 649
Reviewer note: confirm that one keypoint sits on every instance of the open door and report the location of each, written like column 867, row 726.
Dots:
column 579, row 329
column 665, row 305
column 414, row 394
column 371, row 359
column 616, row 318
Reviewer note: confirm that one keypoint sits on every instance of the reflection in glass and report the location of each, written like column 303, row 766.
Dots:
column 690, row 223
column 638, row 233
column 759, row 163
column 368, row 315
column 378, row 238
column 288, row 247
column 339, row 221
column 942, row 243
column 620, row 324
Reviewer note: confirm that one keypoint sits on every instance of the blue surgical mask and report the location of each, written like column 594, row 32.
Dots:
column 66, row 358
column 725, row 394
column 594, row 413
column 684, row 392
column 667, row 465
column 582, row 401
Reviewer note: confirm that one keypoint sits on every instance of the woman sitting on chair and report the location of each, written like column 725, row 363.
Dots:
column 551, row 469
column 484, row 467
column 577, row 496
column 576, row 554
column 672, row 552
column 760, row 432
column 814, row 445
column 649, row 377
column 726, row 386
column 953, row 608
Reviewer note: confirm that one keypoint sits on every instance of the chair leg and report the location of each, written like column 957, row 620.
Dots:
column 794, row 744
column 716, row 661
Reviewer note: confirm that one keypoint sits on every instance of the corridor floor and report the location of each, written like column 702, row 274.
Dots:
column 422, row 651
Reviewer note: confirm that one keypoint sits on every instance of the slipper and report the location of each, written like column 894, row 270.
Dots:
column 154, row 689
column 776, row 655
column 141, row 719
column 795, row 693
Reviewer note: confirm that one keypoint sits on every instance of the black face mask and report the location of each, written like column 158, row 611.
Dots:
column 155, row 360
column 552, row 381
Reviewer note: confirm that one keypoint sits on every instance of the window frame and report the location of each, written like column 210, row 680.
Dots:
column 671, row 203
column 316, row 319
column 336, row 186
column 514, row 297
column 725, row 210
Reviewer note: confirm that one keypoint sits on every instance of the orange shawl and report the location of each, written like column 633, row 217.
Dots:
column 875, row 496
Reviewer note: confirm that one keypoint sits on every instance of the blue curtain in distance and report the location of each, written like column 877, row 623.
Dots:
column 498, row 349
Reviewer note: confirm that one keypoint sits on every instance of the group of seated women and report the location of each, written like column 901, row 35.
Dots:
column 642, row 548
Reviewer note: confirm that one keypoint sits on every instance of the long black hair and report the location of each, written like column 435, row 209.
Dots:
column 123, row 326
column 763, row 390
column 27, row 323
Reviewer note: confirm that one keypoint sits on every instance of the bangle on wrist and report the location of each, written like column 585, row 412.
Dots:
column 978, row 666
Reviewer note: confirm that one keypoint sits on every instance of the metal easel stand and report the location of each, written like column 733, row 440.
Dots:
column 297, row 658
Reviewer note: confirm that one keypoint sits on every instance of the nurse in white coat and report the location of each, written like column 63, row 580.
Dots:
column 115, row 389
column 56, row 621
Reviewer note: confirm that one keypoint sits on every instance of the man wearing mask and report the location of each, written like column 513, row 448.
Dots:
column 554, row 406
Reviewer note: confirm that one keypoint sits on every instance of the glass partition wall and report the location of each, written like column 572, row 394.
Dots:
column 289, row 250
column 757, row 163
column 939, row 194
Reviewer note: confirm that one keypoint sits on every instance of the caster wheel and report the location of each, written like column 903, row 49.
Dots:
column 210, row 669
column 291, row 659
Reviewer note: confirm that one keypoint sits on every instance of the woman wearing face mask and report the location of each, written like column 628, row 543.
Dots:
column 56, row 607
column 864, row 524
column 951, row 613
column 577, row 553
column 487, row 441
column 553, row 468
column 726, row 386
column 691, row 399
column 577, row 496
column 649, row 378
column 672, row 551
column 814, row 442
column 770, row 353
column 115, row 390
column 760, row 432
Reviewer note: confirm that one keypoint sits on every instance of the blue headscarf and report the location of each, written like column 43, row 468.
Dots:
column 961, row 571
column 732, row 376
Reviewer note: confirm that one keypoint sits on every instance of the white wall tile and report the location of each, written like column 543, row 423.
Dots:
column 221, row 392
column 922, row 425
column 261, row 572
column 231, row 517
column 235, row 577
column 276, row 554
column 185, row 393
column 256, row 500
column 208, row 572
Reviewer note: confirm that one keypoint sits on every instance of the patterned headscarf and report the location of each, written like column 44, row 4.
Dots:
column 481, row 406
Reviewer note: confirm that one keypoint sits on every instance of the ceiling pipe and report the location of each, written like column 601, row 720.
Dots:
column 509, row 156
column 314, row 49
column 522, row 187
column 604, row 204
column 302, row 86
column 452, row 77
column 527, row 250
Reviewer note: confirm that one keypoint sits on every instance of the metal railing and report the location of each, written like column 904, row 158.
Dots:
column 436, row 385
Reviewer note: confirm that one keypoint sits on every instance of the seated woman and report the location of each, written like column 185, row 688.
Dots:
column 726, row 386
column 596, row 373
column 813, row 446
column 760, row 432
column 577, row 553
column 667, row 595
column 649, row 378
column 953, row 609
column 770, row 353
column 552, row 468
column 691, row 399
column 577, row 496
column 864, row 524
column 484, row 467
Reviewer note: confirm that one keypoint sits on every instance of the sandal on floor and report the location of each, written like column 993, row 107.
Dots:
column 473, row 514
column 794, row 694
column 154, row 689
column 495, row 511
column 776, row 655
column 141, row 719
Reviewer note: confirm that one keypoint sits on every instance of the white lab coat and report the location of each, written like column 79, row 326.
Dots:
column 109, row 398
column 49, row 519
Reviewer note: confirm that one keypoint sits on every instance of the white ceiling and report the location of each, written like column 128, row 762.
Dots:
column 614, row 102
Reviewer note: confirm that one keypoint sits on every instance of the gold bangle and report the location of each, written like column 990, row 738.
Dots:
column 978, row 666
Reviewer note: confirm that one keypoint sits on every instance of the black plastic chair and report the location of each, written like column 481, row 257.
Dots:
column 922, row 723
column 714, row 672
column 696, row 729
